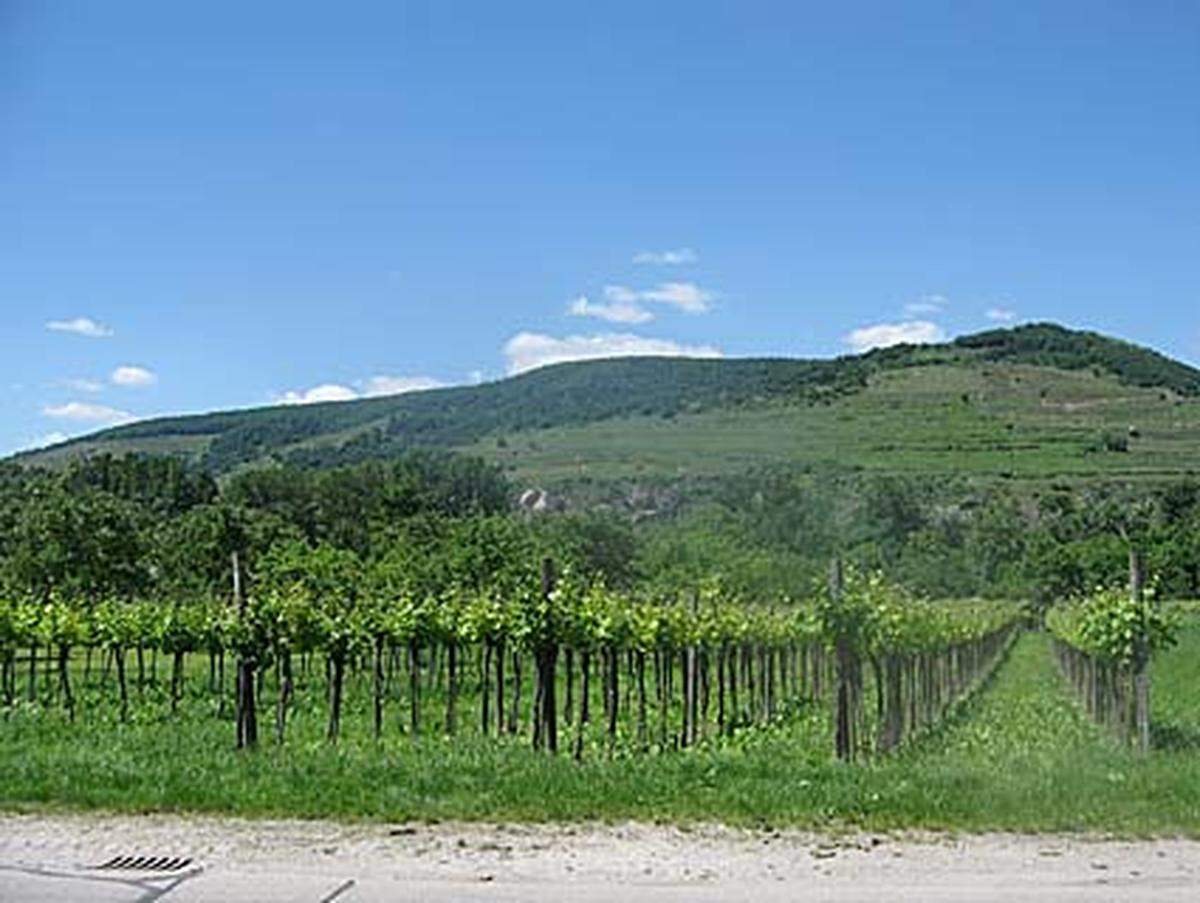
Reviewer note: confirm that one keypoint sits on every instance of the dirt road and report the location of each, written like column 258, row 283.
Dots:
column 54, row 858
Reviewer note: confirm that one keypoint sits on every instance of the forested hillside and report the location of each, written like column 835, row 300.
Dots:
column 634, row 391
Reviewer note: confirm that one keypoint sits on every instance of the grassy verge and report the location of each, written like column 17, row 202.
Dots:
column 1174, row 700
column 1019, row 756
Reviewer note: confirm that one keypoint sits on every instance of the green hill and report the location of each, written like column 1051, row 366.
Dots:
column 1034, row 401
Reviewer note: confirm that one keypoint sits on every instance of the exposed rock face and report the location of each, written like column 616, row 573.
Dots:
column 537, row 500
column 532, row 500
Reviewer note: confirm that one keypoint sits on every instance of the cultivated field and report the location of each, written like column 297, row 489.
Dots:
column 1018, row 756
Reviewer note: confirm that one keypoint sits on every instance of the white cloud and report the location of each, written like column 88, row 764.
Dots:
column 528, row 350
column 87, row 413
column 885, row 335
column 687, row 296
column 623, row 304
column 324, row 392
column 83, row 385
column 43, row 441
column 476, row 377
column 131, row 377
column 666, row 258
column 926, row 305
column 374, row 387
column 621, row 294
column 398, row 385
column 84, row 326
column 621, row 310
column 1000, row 315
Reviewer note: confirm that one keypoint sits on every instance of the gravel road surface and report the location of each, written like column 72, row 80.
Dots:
column 56, row 858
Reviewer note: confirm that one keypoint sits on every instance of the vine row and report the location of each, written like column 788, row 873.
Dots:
column 561, row 661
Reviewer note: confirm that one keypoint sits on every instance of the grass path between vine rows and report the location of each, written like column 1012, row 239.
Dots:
column 1022, row 756
column 1019, row 756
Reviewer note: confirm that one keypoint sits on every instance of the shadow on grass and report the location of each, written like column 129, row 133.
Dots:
column 1174, row 737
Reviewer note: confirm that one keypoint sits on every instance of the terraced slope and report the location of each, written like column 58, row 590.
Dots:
column 1005, row 421
column 1037, row 401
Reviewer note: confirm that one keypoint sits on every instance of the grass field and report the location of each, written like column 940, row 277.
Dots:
column 1018, row 756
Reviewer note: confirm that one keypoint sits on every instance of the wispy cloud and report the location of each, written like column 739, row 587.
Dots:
column 84, row 326
column 687, row 296
column 1001, row 315
column 621, row 294
column 623, row 304
column 615, row 311
column 885, row 335
column 926, row 305
column 131, row 377
column 43, row 441
column 87, row 413
column 82, row 385
column 399, row 385
column 677, row 257
column 529, row 350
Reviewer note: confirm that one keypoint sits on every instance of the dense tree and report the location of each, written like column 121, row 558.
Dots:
column 85, row 541
column 129, row 528
column 347, row 505
column 165, row 485
column 596, row 544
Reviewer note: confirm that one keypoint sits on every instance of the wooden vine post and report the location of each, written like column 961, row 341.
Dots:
column 687, row 734
column 1141, row 657
column 546, row 714
column 893, row 705
column 693, row 680
column 246, row 716
column 379, row 686
column 845, row 660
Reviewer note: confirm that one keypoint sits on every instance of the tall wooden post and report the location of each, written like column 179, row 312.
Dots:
column 452, row 688
column 548, row 663
column 694, row 713
column 247, row 718
column 238, row 696
column 378, row 687
column 893, row 712
column 843, row 725
column 685, row 734
column 1141, row 658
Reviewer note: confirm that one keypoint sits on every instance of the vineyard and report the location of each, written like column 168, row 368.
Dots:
column 1104, row 644
column 392, row 641
column 383, row 702
column 556, row 660
column 636, row 421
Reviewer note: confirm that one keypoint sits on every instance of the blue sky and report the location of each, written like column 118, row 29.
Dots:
column 229, row 204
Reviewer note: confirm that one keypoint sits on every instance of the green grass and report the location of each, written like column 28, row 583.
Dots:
column 1175, row 694
column 1018, row 756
